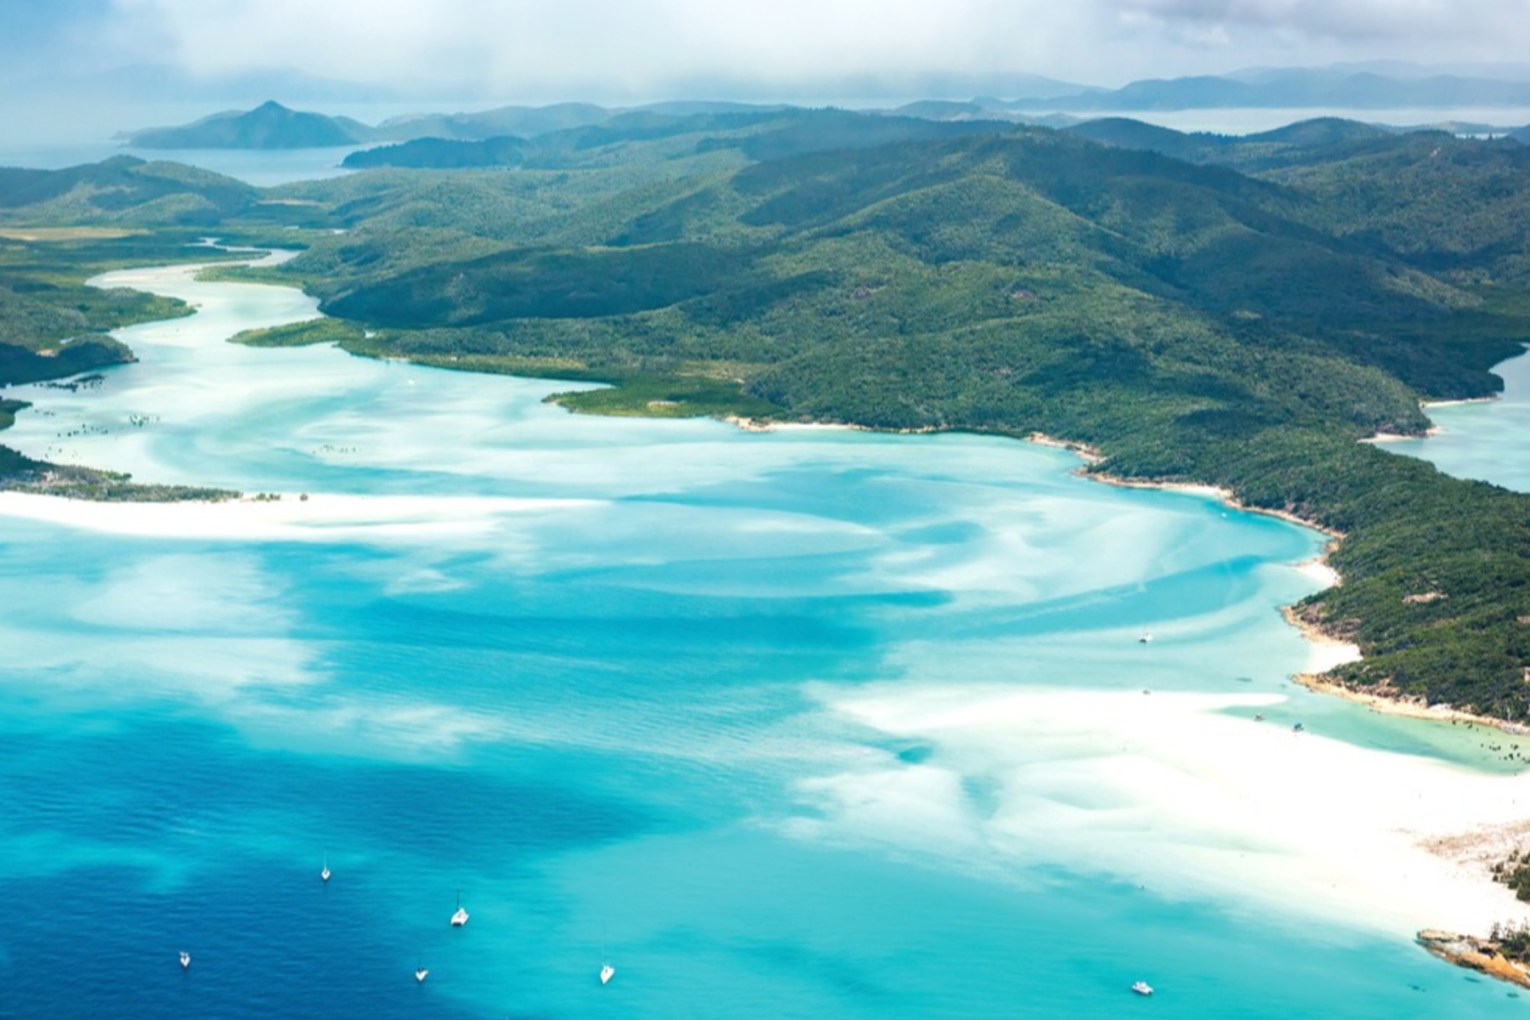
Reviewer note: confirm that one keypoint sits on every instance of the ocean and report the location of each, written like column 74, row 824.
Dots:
column 808, row 723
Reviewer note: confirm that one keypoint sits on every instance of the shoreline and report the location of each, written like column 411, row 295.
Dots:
column 746, row 424
column 1399, row 437
column 1404, row 708
column 1227, row 498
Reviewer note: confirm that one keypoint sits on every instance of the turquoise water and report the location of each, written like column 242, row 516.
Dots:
column 626, row 685
column 1484, row 440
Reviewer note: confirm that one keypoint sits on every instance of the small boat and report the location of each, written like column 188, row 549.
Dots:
column 420, row 974
column 324, row 872
column 460, row 918
column 1145, row 638
column 1142, row 988
column 607, row 972
column 1297, row 728
column 185, row 960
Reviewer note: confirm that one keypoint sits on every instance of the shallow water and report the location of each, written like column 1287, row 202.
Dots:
column 663, row 693
column 1483, row 440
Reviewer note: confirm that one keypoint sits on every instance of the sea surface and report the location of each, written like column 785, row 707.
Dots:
column 624, row 688
column 1483, row 439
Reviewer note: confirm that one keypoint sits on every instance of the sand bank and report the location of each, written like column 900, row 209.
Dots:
column 319, row 517
column 1184, row 794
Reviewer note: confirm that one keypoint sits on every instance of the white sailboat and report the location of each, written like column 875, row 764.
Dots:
column 1142, row 988
column 185, row 960
column 420, row 974
column 460, row 918
column 324, row 872
column 607, row 972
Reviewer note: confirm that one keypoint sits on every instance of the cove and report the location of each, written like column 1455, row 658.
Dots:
column 1482, row 440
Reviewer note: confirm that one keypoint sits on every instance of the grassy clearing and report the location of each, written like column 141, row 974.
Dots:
column 48, row 235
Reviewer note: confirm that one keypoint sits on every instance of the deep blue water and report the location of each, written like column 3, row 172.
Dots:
column 624, row 728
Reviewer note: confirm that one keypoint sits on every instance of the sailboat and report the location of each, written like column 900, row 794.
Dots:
column 324, row 873
column 607, row 972
column 185, row 960
column 420, row 974
column 1142, row 988
column 460, row 918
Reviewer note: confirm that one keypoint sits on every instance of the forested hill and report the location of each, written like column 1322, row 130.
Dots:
column 269, row 126
column 1192, row 321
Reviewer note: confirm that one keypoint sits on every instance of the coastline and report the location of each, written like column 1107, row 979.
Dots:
column 747, row 424
column 1227, row 498
column 1399, row 706
column 1449, row 889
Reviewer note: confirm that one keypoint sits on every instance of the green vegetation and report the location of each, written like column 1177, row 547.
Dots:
column 1512, row 940
column 22, row 475
column 670, row 396
column 8, row 409
column 301, row 334
column 1514, row 872
column 443, row 154
column 1192, row 322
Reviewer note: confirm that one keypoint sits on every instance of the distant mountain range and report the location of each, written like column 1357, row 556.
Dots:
column 1296, row 88
column 505, row 136
column 274, row 126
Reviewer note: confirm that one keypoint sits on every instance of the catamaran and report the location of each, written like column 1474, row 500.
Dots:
column 1142, row 988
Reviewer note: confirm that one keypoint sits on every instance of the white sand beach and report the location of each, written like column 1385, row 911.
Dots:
column 1185, row 794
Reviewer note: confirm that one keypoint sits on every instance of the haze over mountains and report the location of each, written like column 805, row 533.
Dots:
column 567, row 134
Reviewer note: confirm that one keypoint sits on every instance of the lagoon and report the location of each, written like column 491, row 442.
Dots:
column 811, row 723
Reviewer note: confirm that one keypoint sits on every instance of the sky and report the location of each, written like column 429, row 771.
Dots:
column 603, row 49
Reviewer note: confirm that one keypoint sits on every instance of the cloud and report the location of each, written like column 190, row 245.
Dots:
column 650, row 48
column 634, row 44
column 1386, row 22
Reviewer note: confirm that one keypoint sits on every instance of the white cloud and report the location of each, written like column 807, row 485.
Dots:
column 654, row 47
